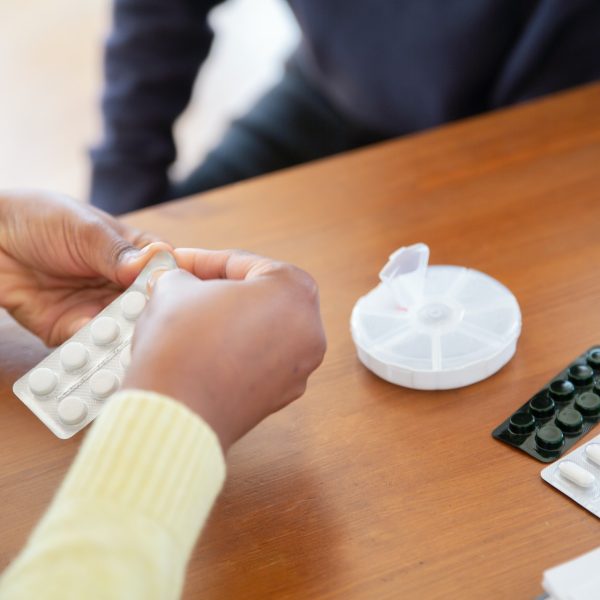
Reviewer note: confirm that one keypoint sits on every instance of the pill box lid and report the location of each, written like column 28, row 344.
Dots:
column 434, row 327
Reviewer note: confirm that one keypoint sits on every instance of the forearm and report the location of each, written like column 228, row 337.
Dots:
column 129, row 511
column 152, row 57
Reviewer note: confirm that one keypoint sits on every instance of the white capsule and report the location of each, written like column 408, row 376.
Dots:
column 103, row 383
column 578, row 475
column 125, row 357
column 73, row 356
column 592, row 451
column 72, row 410
column 104, row 331
column 132, row 305
column 42, row 381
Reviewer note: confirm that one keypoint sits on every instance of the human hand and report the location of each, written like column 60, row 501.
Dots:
column 234, row 339
column 61, row 262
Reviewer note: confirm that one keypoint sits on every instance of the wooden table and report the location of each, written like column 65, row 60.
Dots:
column 363, row 490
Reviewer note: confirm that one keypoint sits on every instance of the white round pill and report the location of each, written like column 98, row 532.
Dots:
column 42, row 381
column 592, row 451
column 578, row 475
column 133, row 304
column 105, row 330
column 73, row 356
column 104, row 383
column 125, row 357
column 72, row 410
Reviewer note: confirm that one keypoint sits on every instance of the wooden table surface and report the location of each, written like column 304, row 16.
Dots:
column 364, row 490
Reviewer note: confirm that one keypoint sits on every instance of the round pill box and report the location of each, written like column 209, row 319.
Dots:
column 434, row 327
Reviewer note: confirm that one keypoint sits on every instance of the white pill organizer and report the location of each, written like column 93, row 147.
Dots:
column 434, row 327
column 70, row 387
column 577, row 475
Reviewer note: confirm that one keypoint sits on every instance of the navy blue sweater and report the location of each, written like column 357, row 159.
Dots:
column 393, row 66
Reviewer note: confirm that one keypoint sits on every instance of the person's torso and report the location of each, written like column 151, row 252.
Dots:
column 403, row 65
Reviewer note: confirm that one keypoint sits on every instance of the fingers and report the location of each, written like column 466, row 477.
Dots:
column 111, row 248
column 74, row 316
column 139, row 239
column 112, row 256
column 157, row 274
column 73, row 327
column 136, row 237
column 131, row 234
column 144, row 246
column 240, row 265
column 223, row 264
column 163, row 282
column 131, row 262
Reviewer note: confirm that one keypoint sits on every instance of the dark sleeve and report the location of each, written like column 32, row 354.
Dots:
column 152, row 57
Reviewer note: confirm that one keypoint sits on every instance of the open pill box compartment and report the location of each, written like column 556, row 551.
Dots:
column 577, row 475
column 560, row 414
column 69, row 388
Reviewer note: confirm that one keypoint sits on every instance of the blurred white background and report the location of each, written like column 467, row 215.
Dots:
column 50, row 79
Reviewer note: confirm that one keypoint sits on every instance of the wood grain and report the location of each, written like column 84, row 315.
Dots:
column 364, row 490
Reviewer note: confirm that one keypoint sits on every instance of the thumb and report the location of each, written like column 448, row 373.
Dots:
column 164, row 282
column 131, row 262
column 109, row 254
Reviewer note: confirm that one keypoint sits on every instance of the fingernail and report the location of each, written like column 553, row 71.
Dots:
column 131, row 255
column 153, row 248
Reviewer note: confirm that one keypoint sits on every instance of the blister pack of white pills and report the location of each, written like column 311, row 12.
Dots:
column 68, row 389
column 577, row 475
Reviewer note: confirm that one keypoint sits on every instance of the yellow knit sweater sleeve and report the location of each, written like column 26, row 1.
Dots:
column 125, row 520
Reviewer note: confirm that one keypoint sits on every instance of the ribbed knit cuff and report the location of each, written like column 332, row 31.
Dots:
column 153, row 456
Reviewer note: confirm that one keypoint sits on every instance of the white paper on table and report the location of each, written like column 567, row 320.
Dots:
column 578, row 579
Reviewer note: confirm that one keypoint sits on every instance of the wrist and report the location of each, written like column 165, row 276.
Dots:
column 194, row 400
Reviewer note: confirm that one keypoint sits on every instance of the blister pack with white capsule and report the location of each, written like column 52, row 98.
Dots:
column 68, row 389
column 577, row 475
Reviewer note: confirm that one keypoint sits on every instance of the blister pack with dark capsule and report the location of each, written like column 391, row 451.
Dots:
column 560, row 414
